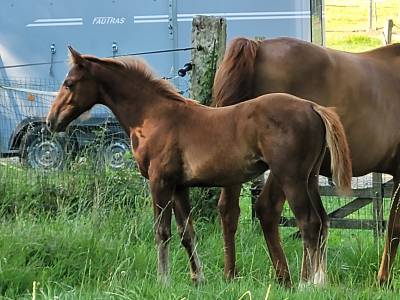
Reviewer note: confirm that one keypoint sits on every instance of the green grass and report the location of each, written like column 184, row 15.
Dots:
column 96, row 242
column 347, row 25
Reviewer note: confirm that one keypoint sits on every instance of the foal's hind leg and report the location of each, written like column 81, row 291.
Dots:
column 186, row 231
column 316, row 271
column 269, row 207
column 313, row 227
column 229, row 210
column 392, row 235
column 320, row 263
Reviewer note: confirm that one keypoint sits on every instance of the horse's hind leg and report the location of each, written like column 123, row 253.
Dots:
column 229, row 210
column 186, row 231
column 269, row 207
column 392, row 235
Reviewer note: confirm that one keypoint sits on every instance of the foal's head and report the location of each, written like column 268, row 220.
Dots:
column 78, row 93
column 92, row 80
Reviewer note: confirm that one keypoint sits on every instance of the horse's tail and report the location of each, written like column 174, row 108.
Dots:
column 339, row 149
column 234, row 78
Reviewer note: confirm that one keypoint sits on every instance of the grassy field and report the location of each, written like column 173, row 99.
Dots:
column 89, row 235
column 347, row 24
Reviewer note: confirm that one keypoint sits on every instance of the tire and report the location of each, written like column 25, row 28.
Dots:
column 114, row 152
column 42, row 150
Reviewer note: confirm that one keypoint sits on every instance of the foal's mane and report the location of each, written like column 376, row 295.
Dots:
column 140, row 70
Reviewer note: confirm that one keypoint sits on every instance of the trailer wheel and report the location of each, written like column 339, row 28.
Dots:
column 114, row 152
column 42, row 150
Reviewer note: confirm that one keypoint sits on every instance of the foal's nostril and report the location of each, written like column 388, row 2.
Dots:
column 48, row 124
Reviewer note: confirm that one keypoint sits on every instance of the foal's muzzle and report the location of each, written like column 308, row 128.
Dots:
column 51, row 123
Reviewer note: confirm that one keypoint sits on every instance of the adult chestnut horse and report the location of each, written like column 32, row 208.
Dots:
column 364, row 88
column 178, row 144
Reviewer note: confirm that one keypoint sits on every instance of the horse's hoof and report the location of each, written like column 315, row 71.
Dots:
column 285, row 281
column 230, row 275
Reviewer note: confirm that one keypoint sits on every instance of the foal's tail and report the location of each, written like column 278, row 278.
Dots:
column 234, row 78
column 337, row 143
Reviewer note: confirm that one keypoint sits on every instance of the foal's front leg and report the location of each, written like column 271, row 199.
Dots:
column 161, row 192
column 229, row 210
column 186, row 231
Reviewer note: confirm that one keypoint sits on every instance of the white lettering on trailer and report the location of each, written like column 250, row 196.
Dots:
column 108, row 20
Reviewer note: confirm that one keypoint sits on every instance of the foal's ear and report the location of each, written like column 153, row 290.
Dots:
column 75, row 57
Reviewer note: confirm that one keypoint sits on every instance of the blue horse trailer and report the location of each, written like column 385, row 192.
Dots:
column 33, row 51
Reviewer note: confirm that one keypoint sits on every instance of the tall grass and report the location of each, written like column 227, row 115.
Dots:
column 87, row 235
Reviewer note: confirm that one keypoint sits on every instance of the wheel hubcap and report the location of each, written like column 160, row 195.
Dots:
column 115, row 154
column 46, row 154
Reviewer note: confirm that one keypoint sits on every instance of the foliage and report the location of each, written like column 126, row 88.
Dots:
column 79, row 188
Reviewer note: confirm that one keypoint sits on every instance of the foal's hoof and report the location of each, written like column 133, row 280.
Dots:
column 198, row 278
column 319, row 279
column 385, row 282
column 164, row 280
column 304, row 285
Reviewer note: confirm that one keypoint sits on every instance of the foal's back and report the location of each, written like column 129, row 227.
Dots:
column 243, row 140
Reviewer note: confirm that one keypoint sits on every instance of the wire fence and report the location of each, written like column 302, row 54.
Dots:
column 96, row 149
column 40, row 172
column 360, row 15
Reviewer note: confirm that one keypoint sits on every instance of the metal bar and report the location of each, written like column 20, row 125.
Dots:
column 336, row 223
column 343, row 211
column 377, row 203
column 173, row 35
column 349, row 208
column 359, row 193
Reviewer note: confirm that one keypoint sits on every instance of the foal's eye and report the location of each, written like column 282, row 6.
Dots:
column 68, row 84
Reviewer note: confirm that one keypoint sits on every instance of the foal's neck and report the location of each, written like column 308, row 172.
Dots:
column 133, row 101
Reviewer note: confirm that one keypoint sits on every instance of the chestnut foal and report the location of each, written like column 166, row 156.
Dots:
column 178, row 144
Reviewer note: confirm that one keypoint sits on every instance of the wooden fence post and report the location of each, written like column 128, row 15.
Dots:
column 209, row 41
column 387, row 32
column 370, row 14
column 377, row 203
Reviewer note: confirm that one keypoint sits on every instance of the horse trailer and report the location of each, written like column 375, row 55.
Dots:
column 33, row 52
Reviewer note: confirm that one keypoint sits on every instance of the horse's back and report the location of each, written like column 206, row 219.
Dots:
column 387, row 53
column 284, row 64
column 365, row 88
column 317, row 73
